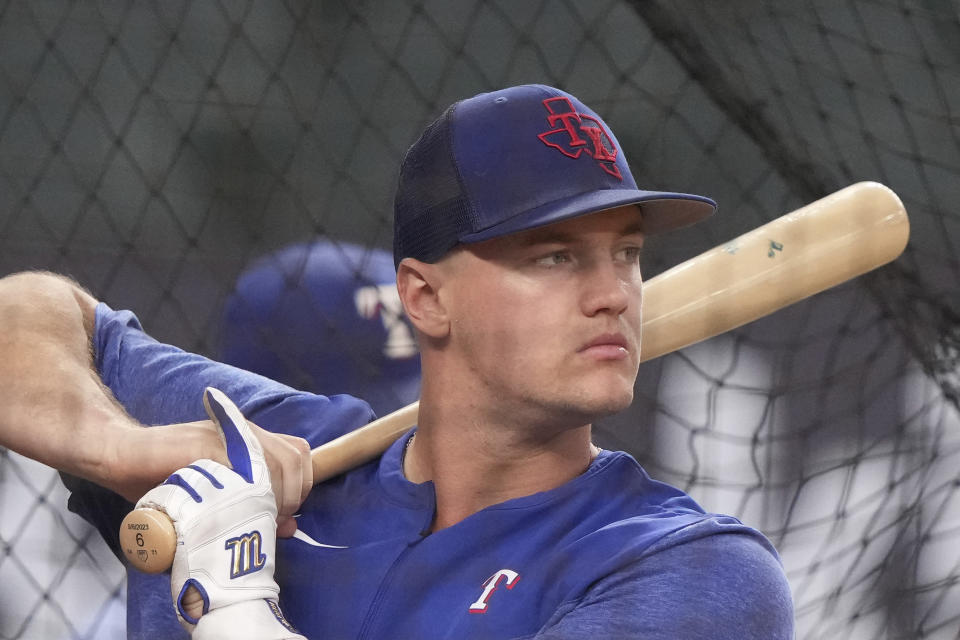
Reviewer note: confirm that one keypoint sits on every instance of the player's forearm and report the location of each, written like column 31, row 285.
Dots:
column 55, row 409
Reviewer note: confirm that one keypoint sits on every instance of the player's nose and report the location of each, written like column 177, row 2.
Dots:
column 608, row 289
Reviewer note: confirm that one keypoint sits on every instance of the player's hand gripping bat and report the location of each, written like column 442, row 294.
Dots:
column 821, row 245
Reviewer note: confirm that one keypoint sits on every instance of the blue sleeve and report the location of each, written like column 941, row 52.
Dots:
column 726, row 586
column 161, row 384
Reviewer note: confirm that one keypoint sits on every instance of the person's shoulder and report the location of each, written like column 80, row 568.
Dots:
column 656, row 524
column 723, row 585
column 622, row 515
column 675, row 518
column 716, row 587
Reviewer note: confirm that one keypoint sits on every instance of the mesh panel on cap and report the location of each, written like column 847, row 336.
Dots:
column 430, row 209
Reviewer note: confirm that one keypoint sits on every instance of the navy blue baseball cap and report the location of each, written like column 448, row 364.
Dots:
column 516, row 159
column 325, row 317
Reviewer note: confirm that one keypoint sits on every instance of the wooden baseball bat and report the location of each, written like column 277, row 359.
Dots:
column 821, row 245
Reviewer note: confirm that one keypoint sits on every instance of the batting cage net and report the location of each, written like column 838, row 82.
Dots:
column 207, row 164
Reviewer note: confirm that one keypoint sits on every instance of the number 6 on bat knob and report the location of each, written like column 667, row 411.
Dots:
column 821, row 245
column 148, row 540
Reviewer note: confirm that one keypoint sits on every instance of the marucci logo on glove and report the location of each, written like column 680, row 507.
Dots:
column 568, row 125
column 246, row 554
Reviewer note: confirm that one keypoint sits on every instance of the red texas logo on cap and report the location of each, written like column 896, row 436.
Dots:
column 566, row 135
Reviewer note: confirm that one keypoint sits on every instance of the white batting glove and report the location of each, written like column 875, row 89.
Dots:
column 226, row 523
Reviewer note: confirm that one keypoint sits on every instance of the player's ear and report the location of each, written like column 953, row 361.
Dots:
column 419, row 286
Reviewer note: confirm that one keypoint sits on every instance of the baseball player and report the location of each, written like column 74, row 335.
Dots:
column 518, row 230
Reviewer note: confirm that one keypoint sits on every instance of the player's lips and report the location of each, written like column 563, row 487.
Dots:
column 607, row 346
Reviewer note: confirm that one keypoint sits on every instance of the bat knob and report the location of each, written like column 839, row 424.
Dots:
column 148, row 540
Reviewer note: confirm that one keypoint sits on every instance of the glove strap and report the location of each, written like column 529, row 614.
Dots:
column 247, row 620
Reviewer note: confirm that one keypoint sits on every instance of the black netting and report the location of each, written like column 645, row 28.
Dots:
column 155, row 150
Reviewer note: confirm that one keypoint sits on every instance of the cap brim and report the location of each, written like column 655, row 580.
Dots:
column 661, row 211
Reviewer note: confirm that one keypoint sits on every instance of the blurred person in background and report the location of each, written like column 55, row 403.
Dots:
column 324, row 317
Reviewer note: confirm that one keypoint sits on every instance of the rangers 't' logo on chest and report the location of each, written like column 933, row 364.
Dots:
column 502, row 578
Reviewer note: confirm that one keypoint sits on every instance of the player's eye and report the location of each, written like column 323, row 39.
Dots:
column 631, row 254
column 553, row 259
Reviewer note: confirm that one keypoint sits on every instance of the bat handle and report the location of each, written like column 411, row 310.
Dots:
column 148, row 537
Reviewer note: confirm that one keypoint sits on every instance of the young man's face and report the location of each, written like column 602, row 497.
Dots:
column 549, row 319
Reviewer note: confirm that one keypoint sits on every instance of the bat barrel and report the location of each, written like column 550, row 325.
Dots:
column 821, row 245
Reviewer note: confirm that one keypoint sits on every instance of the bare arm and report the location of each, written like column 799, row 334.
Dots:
column 56, row 410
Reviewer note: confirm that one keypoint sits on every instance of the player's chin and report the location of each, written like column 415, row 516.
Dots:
column 606, row 395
